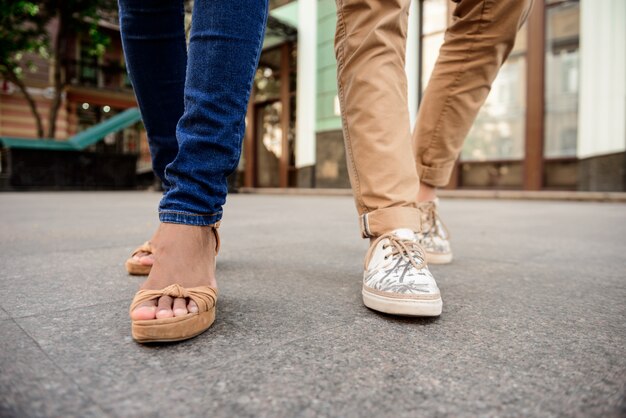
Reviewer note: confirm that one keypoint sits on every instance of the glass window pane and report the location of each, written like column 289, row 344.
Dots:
column 430, row 52
column 267, row 76
column 434, row 16
column 269, row 143
column 562, row 72
column 498, row 132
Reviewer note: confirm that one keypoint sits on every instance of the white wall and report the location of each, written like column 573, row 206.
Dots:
column 306, row 83
column 602, row 110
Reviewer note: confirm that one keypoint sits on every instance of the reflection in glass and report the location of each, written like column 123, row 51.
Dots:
column 269, row 144
column 267, row 76
column 561, row 92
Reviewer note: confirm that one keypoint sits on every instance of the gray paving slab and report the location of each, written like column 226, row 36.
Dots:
column 59, row 281
column 405, row 368
column 3, row 315
column 31, row 385
column 38, row 223
column 107, row 364
column 534, row 320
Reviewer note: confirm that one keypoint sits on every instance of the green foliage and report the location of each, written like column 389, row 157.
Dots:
column 22, row 30
column 81, row 16
column 25, row 32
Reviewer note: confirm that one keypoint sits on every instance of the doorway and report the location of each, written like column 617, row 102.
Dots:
column 269, row 147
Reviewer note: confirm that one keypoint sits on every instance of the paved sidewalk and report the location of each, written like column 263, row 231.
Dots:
column 534, row 320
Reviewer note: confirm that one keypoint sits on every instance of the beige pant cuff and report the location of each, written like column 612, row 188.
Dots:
column 435, row 176
column 385, row 220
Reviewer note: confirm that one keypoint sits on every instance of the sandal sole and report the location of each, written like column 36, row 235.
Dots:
column 135, row 269
column 172, row 329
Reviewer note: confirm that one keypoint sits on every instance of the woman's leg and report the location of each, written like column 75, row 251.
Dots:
column 153, row 37
column 224, row 48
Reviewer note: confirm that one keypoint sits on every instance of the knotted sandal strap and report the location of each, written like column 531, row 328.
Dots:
column 143, row 248
column 204, row 296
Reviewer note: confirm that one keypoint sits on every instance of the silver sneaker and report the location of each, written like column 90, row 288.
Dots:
column 396, row 279
column 434, row 237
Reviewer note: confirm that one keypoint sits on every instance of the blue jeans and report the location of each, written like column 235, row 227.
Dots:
column 194, row 103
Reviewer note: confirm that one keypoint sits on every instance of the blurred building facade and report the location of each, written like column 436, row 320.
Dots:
column 555, row 118
column 97, row 88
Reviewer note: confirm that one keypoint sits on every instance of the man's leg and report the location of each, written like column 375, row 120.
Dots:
column 224, row 48
column 370, row 47
column 476, row 45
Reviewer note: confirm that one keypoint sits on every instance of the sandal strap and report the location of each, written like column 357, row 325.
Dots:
column 214, row 228
column 147, row 248
column 204, row 296
column 143, row 248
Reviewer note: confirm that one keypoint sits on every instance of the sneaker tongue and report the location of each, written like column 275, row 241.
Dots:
column 404, row 233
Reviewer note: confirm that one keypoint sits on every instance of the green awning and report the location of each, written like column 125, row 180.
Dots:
column 81, row 140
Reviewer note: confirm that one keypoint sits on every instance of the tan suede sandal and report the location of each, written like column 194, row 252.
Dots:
column 177, row 328
column 133, row 266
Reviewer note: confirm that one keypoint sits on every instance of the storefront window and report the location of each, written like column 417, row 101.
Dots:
column 561, row 82
column 267, row 77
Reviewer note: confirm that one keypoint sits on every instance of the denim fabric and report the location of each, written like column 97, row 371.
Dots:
column 193, row 103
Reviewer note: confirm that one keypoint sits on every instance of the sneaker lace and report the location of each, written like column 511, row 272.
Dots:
column 435, row 225
column 410, row 251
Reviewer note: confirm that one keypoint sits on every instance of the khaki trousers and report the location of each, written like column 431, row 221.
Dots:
column 386, row 162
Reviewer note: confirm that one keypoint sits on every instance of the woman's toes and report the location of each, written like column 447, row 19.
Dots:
column 144, row 311
column 192, row 307
column 164, row 308
column 147, row 260
column 180, row 307
column 143, row 258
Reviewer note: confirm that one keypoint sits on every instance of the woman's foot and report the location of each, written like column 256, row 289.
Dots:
column 184, row 255
column 144, row 257
column 141, row 261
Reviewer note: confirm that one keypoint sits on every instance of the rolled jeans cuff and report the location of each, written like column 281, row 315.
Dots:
column 385, row 220
column 172, row 217
column 435, row 176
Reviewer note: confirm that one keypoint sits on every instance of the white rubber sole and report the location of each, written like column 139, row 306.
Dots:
column 438, row 258
column 406, row 307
